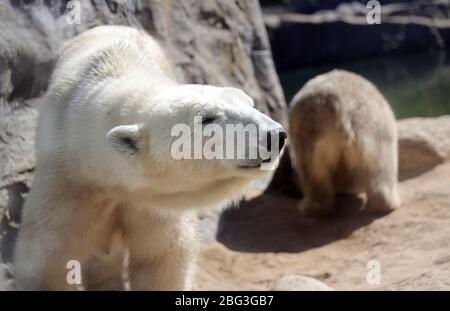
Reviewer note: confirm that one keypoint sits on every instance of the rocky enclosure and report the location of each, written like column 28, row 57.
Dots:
column 262, row 244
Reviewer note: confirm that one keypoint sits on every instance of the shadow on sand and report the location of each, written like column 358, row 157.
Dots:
column 271, row 223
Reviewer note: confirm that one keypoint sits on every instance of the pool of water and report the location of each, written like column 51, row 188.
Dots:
column 416, row 85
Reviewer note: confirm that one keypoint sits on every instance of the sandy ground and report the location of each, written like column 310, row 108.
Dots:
column 265, row 239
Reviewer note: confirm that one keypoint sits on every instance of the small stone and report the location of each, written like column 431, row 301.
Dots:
column 296, row 282
column 6, row 280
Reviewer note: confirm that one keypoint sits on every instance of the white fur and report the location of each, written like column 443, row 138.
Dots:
column 114, row 83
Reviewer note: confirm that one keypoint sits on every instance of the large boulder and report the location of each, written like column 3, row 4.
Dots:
column 217, row 42
column 423, row 143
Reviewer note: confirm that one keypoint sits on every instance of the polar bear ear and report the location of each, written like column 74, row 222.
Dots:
column 232, row 92
column 125, row 139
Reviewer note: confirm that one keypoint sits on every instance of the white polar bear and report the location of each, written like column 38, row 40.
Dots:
column 104, row 164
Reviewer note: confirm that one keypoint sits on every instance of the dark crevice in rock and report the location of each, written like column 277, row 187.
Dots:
column 11, row 218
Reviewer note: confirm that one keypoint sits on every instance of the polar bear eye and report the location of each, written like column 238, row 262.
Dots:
column 209, row 119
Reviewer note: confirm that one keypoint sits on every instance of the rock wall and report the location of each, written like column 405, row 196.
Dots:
column 218, row 42
column 312, row 6
column 343, row 34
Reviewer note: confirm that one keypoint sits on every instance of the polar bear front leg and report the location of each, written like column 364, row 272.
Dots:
column 42, row 254
column 162, row 252
column 58, row 232
column 168, row 271
column 381, row 183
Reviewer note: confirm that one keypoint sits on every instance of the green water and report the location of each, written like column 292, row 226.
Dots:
column 416, row 85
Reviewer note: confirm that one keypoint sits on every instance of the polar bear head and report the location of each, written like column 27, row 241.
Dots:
column 197, row 142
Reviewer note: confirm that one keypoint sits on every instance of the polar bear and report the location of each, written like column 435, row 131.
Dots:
column 344, row 139
column 105, row 166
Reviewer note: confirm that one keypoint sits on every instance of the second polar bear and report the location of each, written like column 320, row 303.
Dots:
column 344, row 139
column 106, row 172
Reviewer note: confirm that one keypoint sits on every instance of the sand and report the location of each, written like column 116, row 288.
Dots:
column 265, row 239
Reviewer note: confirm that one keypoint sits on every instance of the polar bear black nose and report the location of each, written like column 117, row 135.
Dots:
column 282, row 136
column 282, row 139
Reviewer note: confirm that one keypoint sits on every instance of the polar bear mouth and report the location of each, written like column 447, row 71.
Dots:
column 256, row 165
column 250, row 166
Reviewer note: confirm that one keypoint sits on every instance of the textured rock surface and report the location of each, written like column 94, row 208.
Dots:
column 423, row 144
column 296, row 282
column 217, row 42
column 6, row 280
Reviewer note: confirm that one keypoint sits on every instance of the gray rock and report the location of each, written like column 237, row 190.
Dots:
column 423, row 144
column 6, row 279
column 296, row 282
column 208, row 225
